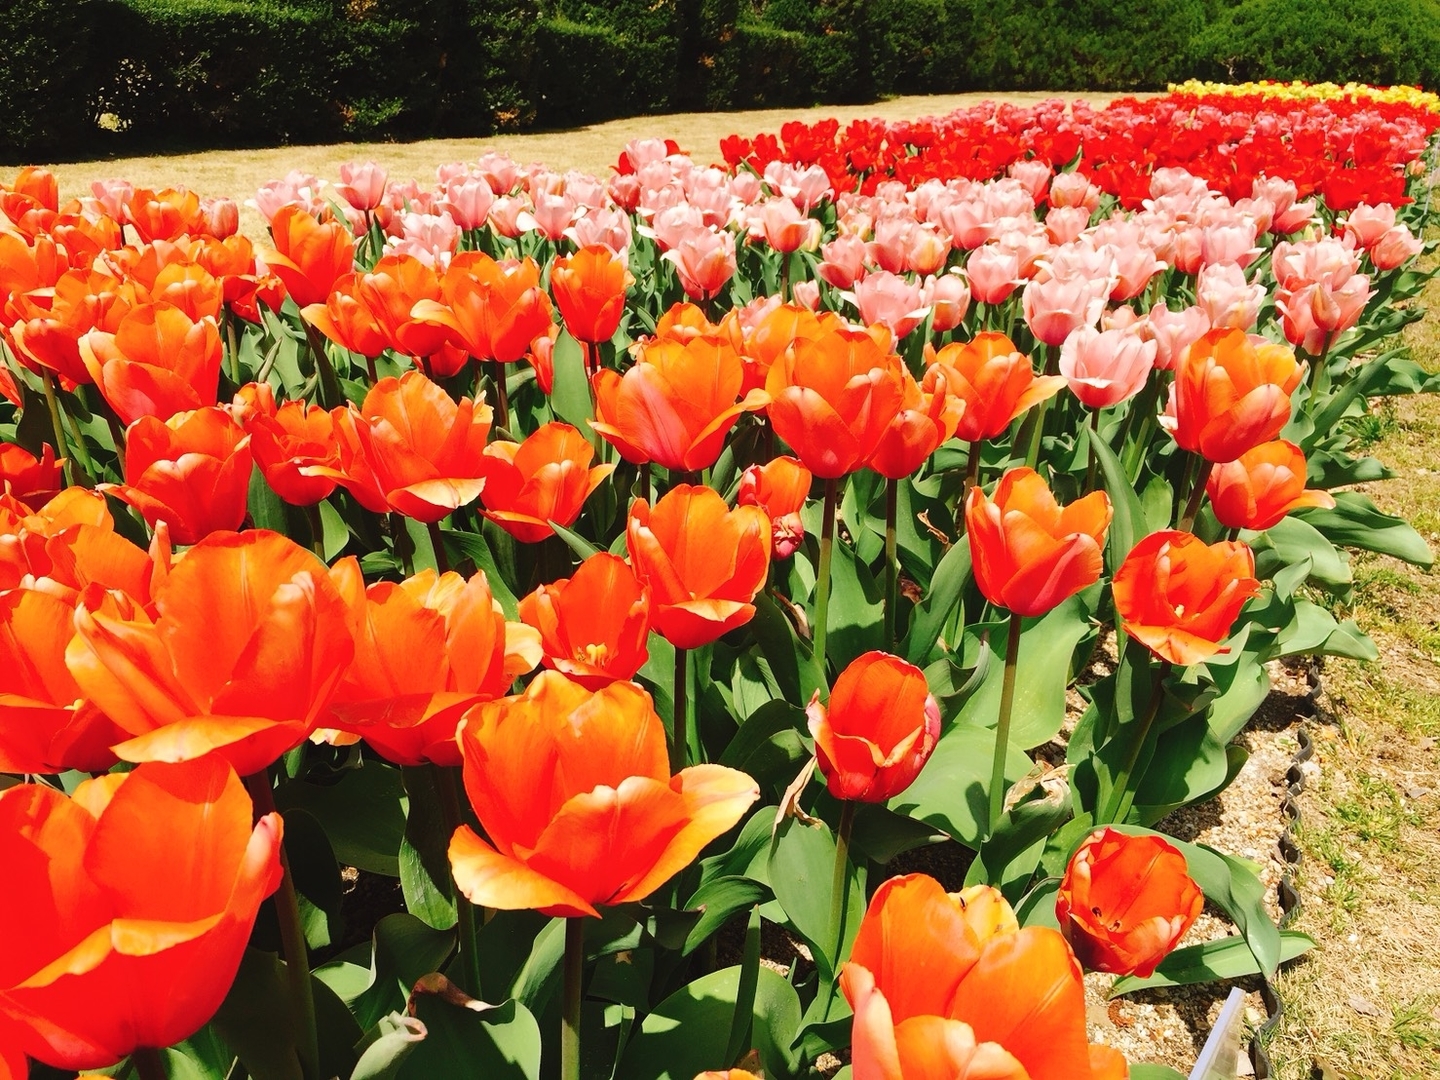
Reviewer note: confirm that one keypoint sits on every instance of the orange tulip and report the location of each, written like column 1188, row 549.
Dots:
column 877, row 732
column 1179, row 597
column 1230, row 394
column 345, row 319
column 250, row 639
column 766, row 335
column 287, row 440
column 703, row 562
column 34, row 481
column 390, row 292
column 309, row 256
column 1125, row 902
column 159, row 362
column 546, row 478
column 48, row 335
column 676, row 404
column 780, row 488
column 1259, row 488
column 411, row 448
column 165, row 215
column 191, row 471
column 832, row 399
column 574, row 792
column 995, row 381
column 127, row 908
column 1030, row 555
column 38, row 184
column 426, row 649
column 493, row 310
column 926, row 418
column 589, row 289
column 64, row 559
column 593, row 625
column 191, row 288
column 922, row 955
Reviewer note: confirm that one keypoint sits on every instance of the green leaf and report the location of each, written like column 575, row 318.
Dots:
column 1129, row 523
column 474, row 547
column 1357, row 522
column 857, row 608
column 802, row 868
column 1008, row 858
column 950, row 792
column 791, row 660
column 575, row 542
column 689, row 1032
column 266, row 509
column 570, row 394
column 502, row 1043
column 1148, row 1071
column 929, row 618
column 401, row 950
column 1289, row 542
column 363, row 814
column 718, row 900
column 386, row 1046
column 742, row 1020
column 769, row 745
column 1212, row 961
column 424, row 859
column 316, row 876
column 334, row 532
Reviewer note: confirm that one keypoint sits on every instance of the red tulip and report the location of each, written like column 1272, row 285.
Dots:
column 102, row 951
column 592, row 625
column 1261, row 486
column 590, row 289
column 191, row 471
column 877, row 732
column 1030, row 555
column 703, row 562
column 574, row 792
column 1179, row 597
column 780, row 488
column 1230, row 395
column 1125, row 902
column 546, row 478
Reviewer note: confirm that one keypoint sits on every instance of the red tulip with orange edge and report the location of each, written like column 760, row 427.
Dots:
column 589, row 289
column 546, row 478
column 250, row 639
column 191, row 471
column 1179, row 597
column 704, row 563
column 593, row 625
column 878, row 729
column 1125, row 902
column 574, row 791
column 781, row 488
column 1260, row 487
column 309, row 256
column 102, row 953
column 426, row 649
column 159, row 362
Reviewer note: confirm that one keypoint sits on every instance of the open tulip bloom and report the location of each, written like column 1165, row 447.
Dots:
column 663, row 552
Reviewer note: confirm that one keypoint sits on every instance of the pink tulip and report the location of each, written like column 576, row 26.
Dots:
column 806, row 294
column 1107, row 367
column 1395, row 247
column 1232, row 242
column 1074, row 189
column 969, row 222
column 786, row 229
column 609, row 228
column 505, row 215
column 1056, row 307
column 115, row 195
column 1315, row 315
column 362, row 186
column 927, row 250
column 468, row 200
column 948, row 297
column 890, row 300
column 1033, row 176
column 994, row 274
column 500, row 171
column 842, row 261
column 222, row 217
column 1174, row 332
column 1296, row 265
column 1366, row 224
column 553, row 214
column 624, row 191
column 1135, row 265
column 890, row 248
column 705, row 261
column 1064, row 224
column 1228, row 300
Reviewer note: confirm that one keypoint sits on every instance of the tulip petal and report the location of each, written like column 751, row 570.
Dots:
column 493, row 880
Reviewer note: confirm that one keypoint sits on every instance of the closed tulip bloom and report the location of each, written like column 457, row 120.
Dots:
column 361, row 185
column 878, row 730
column 1125, row 902
column 546, row 478
column 345, row 319
column 309, row 256
column 996, row 383
column 391, row 292
column 1031, row 554
column 704, row 260
column 927, row 417
column 889, row 299
column 593, row 626
column 1260, row 487
column 493, row 310
column 833, row 397
column 1058, row 305
column 191, row 471
column 1230, row 395
column 1395, row 248
column 250, row 637
column 589, row 289
column 949, row 985
column 426, row 649
column 780, row 488
column 1315, row 315
column 34, row 481
column 286, row 441
column 574, row 792
column 1179, row 596
column 676, row 404
column 785, row 228
column 1104, row 368
column 158, row 362
column 703, row 562
column 948, row 297
column 127, row 908
column 165, row 215
column 411, row 448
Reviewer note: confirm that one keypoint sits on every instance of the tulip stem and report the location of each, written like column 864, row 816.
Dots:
column 317, row 530
column 292, row 937
column 680, row 739
column 442, row 561
column 822, row 584
column 47, row 382
column 892, row 499
column 1117, row 806
column 1197, row 495
column 838, row 890
column 972, row 466
column 148, row 1065
column 1002, row 727
column 570, row 1018
column 645, row 481
column 448, row 787
column 502, row 395
column 1094, row 458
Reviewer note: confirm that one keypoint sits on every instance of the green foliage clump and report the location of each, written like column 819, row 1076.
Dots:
column 47, row 80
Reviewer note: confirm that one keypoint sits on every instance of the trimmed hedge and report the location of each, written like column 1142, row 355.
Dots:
column 251, row 72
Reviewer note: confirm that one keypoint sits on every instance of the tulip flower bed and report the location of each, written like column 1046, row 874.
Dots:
column 623, row 566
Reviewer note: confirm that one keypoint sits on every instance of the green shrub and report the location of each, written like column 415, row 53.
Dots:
column 47, row 75
column 649, row 34
column 758, row 67
column 577, row 81
column 1375, row 41
column 840, row 45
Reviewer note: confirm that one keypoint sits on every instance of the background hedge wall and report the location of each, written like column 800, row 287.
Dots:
column 86, row 76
